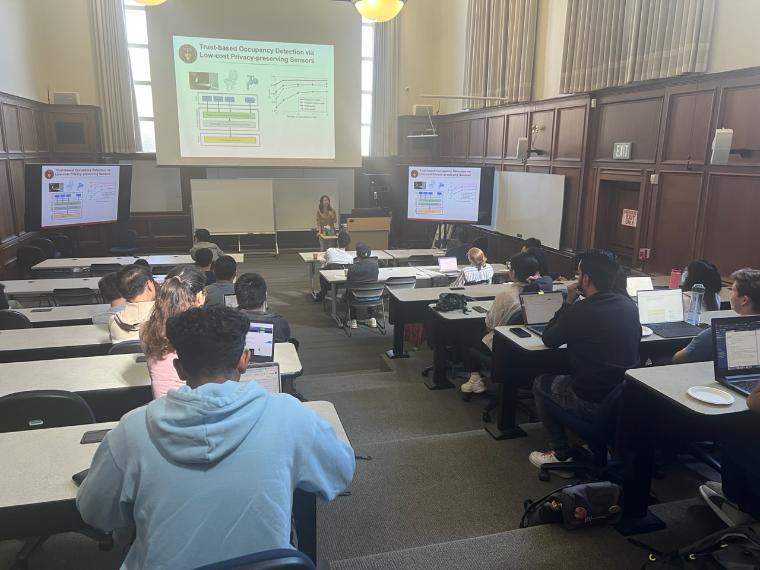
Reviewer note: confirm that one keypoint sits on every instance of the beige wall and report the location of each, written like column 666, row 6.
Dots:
column 736, row 36
column 21, row 51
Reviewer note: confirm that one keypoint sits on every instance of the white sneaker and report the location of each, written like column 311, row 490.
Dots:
column 474, row 385
column 372, row 322
column 728, row 512
column 539, row 458
column 352, row 324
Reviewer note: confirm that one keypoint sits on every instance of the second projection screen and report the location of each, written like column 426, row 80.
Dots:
column 240, row 98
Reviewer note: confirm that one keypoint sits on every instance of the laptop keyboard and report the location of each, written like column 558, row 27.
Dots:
column 675, row 330
column 746, row 386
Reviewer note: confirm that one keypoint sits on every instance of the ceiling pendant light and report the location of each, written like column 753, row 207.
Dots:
column 150, row 2
column 379, row 10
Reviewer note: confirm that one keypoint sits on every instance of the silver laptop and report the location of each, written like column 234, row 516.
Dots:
column 539, row 308
column 662, row 311
column 231, row 301
column 267, row 374
column 635, row 284
column 448, row 266
column 260, row 342
column 736, row 345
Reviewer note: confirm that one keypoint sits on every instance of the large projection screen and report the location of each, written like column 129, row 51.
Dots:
column 256, row 83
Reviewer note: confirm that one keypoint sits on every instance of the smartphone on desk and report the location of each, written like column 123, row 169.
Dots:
column 95, row 436
column 457, row 288
column 79, row 478
column 522, row 333
column 42, row 310
column 479, row 309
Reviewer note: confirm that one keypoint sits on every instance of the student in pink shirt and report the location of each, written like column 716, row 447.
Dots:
column 182, row 289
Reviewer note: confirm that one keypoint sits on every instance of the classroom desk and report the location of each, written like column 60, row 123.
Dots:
column 655, row 410
column 54, row 342
column 517, row 361
column 63, row 316
column 76, row 264
column 402, row 255
column 313, row 263
column 111, row 385
column 37, row 495
column 411, row 306
column 43, row 288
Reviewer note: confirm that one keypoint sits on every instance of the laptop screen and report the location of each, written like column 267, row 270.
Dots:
column 231, row 301
column 636, row 284
column 660, row 306
column 260, row 341
column 737, row 345
column 539, row 308
column 448, row 264
column 266, row 374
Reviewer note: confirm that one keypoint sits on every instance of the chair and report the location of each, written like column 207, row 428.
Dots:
column 395, row 283
column 597, row 433
column 279, row 559
column 10, row 320
column 366, row 295
column 45, row 245
column 42, row 409
column 27, row 256
column 65, row 245
column 126, row 347
column 421, row 261
column 482, row 244
column 124, row 242
column 74, row 296
column 103, row 269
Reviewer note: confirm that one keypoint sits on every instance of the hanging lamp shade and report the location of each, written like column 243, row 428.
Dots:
column 150, row 2
column 379, row 10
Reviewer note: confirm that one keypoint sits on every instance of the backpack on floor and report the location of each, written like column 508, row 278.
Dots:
column 579, row 505
column 734, row 548
column 451, row 302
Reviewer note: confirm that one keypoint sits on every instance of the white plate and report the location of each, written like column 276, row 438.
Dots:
column 711, row 395
column 646, row 331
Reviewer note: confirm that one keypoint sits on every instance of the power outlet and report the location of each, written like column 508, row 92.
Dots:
column 644, row 253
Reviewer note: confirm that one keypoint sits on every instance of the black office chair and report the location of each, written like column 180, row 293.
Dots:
column 279, row 559
column 65, row 245
column 368, row 296
column 124, row 242
column 74, row 296
column 27, row 256
column 43, row 409
column 11, row 320
column 103, row 269
column 126, row 347
column 598, row 433
column 482, row 244
column 422, row 261
column 45, row 245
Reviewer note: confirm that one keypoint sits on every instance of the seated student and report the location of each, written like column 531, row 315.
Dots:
column 529, row 243
column 526, row 278
column 459, row 245
column 182, row 290
column 479, row 271
column 109, row 290
column 142, row 262
column 208, row 472
column 602, row 333
column 706, row 273
column 365, row 269
column 138, row 288
column 538, row 253
column 225, row 269
column 338, row 255
column 6, row 303
column 204, row 260
column 744, row 299
column 251, row 294
column 202, row 240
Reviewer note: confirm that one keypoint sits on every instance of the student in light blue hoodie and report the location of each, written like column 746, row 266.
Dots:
column 207, row 473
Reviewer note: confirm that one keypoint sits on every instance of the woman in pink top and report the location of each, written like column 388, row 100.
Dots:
column 182, row 289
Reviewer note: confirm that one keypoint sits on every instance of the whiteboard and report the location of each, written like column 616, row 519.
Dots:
column 530, row 205
column 297, row 199
column 233, row 206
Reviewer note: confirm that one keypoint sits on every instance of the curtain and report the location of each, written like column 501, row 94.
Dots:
column 501, row 41
column 614, row 42
column 385, row 86
column 119, row 112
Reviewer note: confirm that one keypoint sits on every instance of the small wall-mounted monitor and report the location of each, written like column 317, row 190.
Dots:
column 450, row 194
column 60, row 195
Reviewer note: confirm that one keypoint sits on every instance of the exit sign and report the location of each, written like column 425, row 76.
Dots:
column 621, row 151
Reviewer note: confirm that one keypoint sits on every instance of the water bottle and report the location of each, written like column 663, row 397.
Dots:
column 695, row 308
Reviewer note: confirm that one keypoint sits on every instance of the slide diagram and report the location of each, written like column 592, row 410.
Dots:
column 79, row 194
column 299, row 96
column 227, row 119
column 443, row 193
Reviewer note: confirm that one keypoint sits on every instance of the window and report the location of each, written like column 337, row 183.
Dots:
column 137, row 39
column 368, row 48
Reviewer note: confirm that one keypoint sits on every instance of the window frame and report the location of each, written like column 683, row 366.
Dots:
column 366, row 125
column 134, row 8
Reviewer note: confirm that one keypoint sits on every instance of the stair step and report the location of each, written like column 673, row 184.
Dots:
column 322, row 385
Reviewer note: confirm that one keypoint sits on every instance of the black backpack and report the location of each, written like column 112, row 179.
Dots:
column 577, row 506
column 734, row 548
column 451, row 302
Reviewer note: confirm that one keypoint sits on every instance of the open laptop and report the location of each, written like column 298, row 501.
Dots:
column 260, row 342
column 448, row 266
column 267, row 374
column 662, row 311
column 635, row 284
column 539, row 308
column 231, row 301
column 736, row 342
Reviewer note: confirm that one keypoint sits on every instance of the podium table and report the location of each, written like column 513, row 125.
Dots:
column 370, row 230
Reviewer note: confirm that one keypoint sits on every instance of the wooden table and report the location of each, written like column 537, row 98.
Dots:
column 37, row 495
column 54, row 342
column 63, row 316
column 76, row 264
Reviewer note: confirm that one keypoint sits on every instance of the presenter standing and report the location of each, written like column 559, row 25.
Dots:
column 327, row 219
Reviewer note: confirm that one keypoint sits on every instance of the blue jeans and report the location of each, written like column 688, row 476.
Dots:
column 559, row 389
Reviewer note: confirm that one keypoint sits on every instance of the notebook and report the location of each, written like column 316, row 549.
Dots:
column 662, row 311
column 260, row 342
column 448, row 265
column 635, row 284
column 736, row 342
column 267, row 374
column 231, row 301
column 539, row 308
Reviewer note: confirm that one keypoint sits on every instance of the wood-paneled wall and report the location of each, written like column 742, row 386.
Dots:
column 691, row 209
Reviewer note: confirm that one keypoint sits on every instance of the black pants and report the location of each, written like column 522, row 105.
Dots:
column 474, row 354
column 740, row 464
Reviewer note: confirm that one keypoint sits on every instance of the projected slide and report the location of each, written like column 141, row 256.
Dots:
column 247, row 99
column 443, row 194
column 75, row 195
